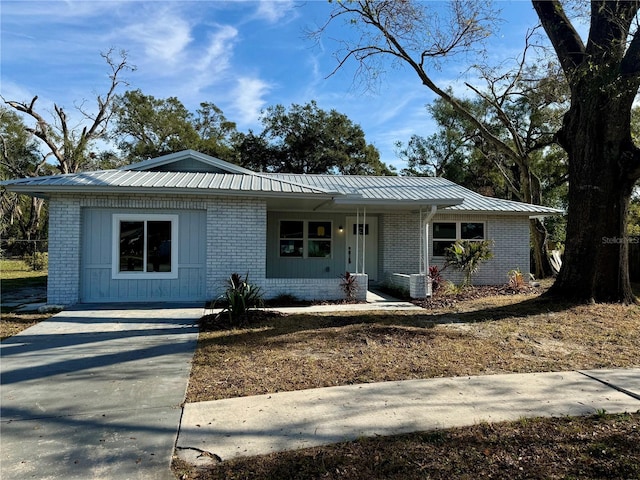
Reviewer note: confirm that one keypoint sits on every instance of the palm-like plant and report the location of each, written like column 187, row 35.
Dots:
column 467, row 256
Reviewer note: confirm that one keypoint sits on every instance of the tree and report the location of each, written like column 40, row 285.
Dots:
column 604, row 163
column 467, row 256
column 22, row 216
column 523, row 108
column 603, row 80
column 307, row 139
column 148, row 127
column 70, row 146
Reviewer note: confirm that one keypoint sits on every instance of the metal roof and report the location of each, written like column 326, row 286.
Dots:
column 383, row 191
column 184, row 182
column 418, row 189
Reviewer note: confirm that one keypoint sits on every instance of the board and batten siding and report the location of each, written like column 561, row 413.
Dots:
column 96, row 282
column 281, row 267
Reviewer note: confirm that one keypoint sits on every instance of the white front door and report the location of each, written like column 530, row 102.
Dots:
column 362, row 243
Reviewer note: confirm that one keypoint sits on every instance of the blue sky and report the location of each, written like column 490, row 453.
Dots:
column 241, row 55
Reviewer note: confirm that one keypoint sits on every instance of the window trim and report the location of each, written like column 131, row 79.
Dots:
column 305, row 238
column 458, row 224
column 116, row 274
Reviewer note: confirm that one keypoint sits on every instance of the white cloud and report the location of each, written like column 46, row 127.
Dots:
column 218, row 54
column 274, row 10
column 163, row 36
column 248, row 100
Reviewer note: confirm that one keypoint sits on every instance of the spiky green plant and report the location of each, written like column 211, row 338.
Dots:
column 467, row 256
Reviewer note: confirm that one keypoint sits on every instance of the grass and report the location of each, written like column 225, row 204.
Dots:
column 16, row 274
column 502, row 334
column 584, row 448
column 491, row 335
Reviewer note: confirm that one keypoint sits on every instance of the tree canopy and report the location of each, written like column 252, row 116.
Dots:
column 602, row 75
column 308, row 139
column 148, row 127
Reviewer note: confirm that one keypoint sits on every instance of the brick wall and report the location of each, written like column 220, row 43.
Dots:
column 313, row 288
column 400, row 238
column 236, row 237
column 63, row 284
column 236, row 241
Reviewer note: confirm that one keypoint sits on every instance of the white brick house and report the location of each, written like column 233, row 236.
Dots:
column 174, row 228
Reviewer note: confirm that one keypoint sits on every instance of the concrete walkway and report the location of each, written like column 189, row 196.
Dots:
column 95, row 393
column 263, row 424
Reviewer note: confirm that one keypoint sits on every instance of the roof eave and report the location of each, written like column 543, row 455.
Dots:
column 440, row 202
column 45, row 191
column 504, row 212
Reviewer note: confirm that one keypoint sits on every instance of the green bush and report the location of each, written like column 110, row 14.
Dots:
column 467, row 256
column 38, row 261
column 238, row 299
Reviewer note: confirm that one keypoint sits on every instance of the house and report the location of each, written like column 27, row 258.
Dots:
column 175, row 227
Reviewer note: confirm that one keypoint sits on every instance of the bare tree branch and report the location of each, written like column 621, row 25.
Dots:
column 69, row 146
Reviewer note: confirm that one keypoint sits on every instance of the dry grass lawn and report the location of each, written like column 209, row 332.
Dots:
column 12, row 323
column 500, row 334
column 598, row 447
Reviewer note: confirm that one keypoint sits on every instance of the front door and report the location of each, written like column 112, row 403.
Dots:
column 362, row 243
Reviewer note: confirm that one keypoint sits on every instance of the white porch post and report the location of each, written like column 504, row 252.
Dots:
column 364, row 238
column 357, row 237
column 426, row 246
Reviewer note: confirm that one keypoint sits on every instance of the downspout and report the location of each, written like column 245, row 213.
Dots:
column 426, row 247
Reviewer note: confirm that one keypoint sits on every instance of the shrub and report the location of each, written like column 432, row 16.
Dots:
column 467, row 256
column 238, row 299
column 435, row 275
column 349, row 286
column 38, row 261
column 516, row 280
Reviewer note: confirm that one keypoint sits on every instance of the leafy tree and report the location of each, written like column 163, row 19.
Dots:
column 22, row 216
column 522, row 110
column 603, row 78
column 604, row 163
column 148, row 127
column 307, row 139
column 70, row 147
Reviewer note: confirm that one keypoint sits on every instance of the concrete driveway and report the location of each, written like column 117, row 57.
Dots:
column 95, row 392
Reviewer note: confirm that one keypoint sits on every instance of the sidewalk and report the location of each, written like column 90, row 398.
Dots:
column 263, row 424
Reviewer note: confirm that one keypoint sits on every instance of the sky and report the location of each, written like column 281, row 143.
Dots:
column 242, row 56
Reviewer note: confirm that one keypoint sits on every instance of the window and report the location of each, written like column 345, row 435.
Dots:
column 145, row 246
column 305, row 239
column 291, row 238
column 319, row 243
column 446, row 233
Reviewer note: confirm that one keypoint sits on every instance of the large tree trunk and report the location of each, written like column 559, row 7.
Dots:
column 541, row 264
column 596, row 265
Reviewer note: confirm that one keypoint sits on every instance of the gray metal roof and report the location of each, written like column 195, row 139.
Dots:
column 229, row 179
column 178, row 182
column 418, row 189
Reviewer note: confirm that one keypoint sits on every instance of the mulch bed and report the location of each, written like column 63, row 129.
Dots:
column 442, row 300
